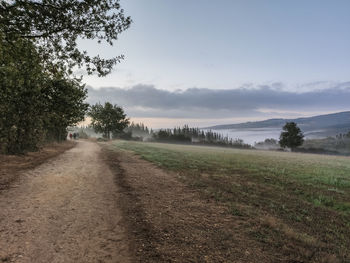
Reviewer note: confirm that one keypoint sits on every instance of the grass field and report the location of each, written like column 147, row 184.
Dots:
column 287, row 198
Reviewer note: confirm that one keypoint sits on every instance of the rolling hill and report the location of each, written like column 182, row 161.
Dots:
column 329, row 124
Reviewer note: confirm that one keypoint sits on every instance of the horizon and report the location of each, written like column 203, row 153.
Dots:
column 206, row 107
column 87, row 121
column 244, row 49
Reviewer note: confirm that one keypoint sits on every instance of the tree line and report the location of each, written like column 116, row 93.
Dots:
column 36, row 105
column 111, row 121
column 138, row 131
column 187, row 134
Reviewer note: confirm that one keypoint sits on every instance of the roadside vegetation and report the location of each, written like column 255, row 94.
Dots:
column 291, row 202
column 36, row 106
column 39, row 94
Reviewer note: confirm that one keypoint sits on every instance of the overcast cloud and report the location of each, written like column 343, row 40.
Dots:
column 148, row 101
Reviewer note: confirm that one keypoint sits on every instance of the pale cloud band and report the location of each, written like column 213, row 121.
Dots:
column 146, row 101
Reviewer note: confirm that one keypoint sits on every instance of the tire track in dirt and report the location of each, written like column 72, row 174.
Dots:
column 65, row 210
column 169, row 222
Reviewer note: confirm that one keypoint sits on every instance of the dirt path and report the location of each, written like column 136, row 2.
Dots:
column 65, row 210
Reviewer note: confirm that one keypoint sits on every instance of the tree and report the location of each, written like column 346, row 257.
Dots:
column 39, row 97
column 64, row 106
column 55, row 26
column 292, row 136
column 35, row 106
column 108, row 119
column 21, row 122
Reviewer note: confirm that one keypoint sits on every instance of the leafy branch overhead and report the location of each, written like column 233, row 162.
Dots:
column 56, row 25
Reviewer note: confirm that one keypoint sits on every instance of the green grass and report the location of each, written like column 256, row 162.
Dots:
column 326, row 173
column 308, row 193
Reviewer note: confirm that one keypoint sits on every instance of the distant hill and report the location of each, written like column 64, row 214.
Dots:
column 328, row 124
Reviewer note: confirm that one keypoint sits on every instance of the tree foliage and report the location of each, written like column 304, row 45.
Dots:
column 64, row 107
column 56, row 25
column 108, row 119
column 35, row 106
column 292, row 136
column 20, row 92
column 39, row 97
column 197, row 136
column 138, row 129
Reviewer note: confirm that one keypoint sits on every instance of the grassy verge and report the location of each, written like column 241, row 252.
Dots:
column 300, row 198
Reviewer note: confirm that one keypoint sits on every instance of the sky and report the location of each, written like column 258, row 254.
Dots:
column 204, row 63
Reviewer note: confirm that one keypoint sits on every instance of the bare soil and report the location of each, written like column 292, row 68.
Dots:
column 12, row 165
column 64, row 210
column 169, row 222
column 93, row 205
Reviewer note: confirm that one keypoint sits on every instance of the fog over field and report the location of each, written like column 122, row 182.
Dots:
column 251, row 136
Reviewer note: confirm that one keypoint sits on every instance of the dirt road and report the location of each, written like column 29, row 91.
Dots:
column 65, row 210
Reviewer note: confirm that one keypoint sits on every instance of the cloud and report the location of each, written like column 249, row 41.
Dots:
column 148, row 101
